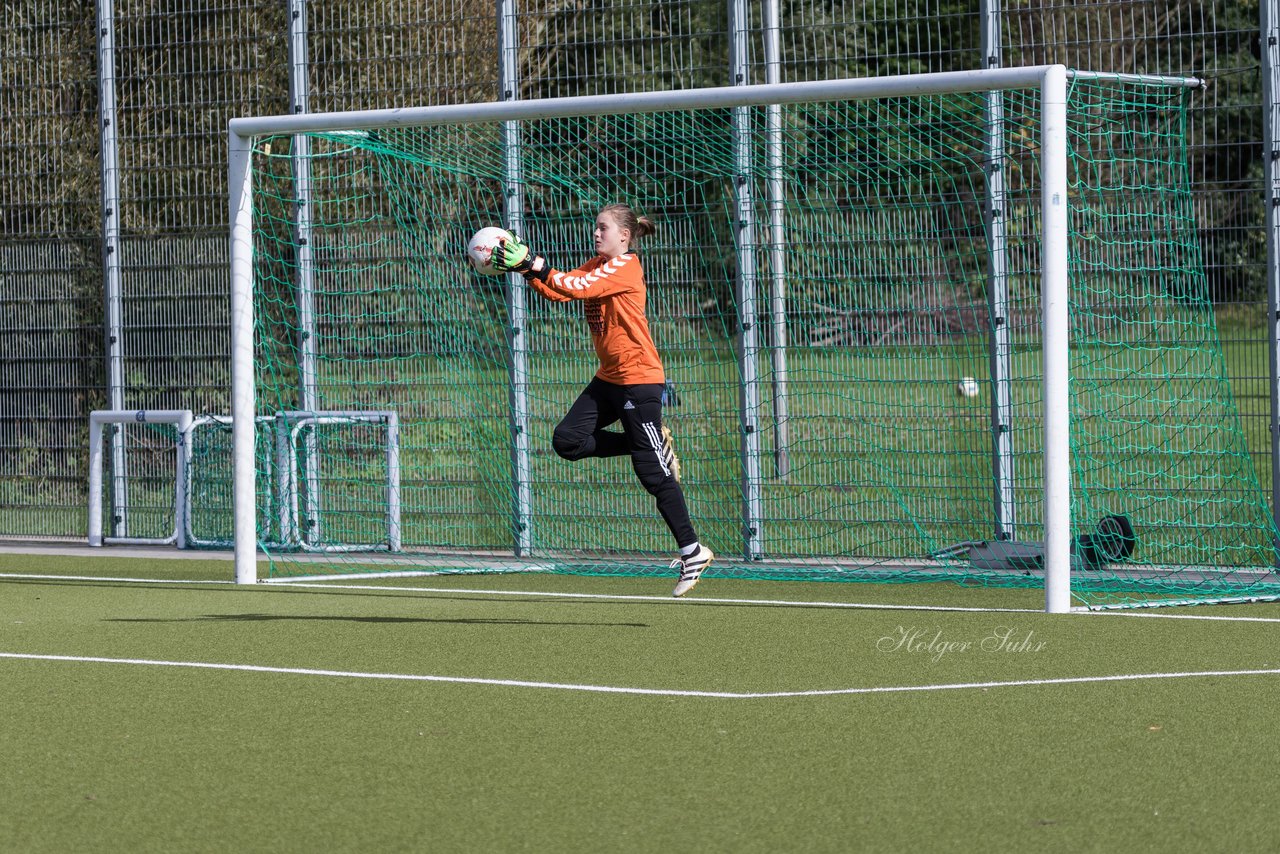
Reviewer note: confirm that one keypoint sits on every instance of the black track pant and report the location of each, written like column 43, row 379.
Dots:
column 581, row 434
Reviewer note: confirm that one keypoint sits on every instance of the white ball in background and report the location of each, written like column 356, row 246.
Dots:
column 967, row 387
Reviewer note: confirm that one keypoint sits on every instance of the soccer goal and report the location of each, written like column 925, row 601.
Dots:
column 940, row 326
column 153, row 488
column 176, row 483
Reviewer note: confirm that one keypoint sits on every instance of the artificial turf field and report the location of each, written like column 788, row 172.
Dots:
column 557, row 713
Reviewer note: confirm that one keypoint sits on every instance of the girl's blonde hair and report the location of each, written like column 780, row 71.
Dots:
column 625, row 217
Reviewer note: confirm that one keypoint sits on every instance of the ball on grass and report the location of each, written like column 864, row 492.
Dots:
column 967, row 387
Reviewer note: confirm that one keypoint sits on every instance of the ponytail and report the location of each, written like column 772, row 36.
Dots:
column 639, row 226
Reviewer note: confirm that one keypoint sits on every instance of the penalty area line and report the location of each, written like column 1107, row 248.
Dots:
column 639, row 597
column 31, row 576
column 618, row 689
column 282, row 584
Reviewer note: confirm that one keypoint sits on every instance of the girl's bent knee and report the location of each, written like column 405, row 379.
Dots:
column 567, row 446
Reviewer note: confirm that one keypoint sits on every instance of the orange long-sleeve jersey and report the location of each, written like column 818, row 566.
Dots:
column 612, row 292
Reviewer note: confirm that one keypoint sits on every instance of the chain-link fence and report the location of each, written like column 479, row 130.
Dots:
column 113, row 279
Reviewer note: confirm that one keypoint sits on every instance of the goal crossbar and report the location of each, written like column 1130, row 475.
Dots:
column 761, row 94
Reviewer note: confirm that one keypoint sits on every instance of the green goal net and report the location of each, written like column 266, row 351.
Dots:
column 825, row 280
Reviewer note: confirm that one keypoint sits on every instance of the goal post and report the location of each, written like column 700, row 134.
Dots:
column 873, row 191
column 243, row 408
column 1053, row 296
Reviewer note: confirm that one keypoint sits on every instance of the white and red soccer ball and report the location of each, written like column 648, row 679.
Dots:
column 481, row 246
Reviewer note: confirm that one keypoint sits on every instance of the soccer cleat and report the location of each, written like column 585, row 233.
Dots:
column 669, row 454
column 691, row 569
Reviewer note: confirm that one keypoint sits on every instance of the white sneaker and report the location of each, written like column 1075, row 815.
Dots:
column 691, row 569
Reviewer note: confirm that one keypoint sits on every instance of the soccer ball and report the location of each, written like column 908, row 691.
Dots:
column 967, row 387
column 481, row 246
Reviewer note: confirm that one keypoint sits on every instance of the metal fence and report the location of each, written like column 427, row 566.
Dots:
column 113, row 280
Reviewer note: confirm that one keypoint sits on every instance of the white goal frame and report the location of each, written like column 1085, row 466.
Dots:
column 285, row 461
column 98, row 419
column 1050, row 80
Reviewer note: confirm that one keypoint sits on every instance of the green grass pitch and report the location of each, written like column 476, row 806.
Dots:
column 337, row 742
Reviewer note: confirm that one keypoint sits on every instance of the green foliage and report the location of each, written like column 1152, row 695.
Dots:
column 175, row 101
column 49, row 139
column 180, row 74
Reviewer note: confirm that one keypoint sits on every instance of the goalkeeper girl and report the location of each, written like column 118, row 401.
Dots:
column 628, row 386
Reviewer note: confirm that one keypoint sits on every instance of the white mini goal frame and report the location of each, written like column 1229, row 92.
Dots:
column 287, row 427
column 1050, row 80
column 98, row 419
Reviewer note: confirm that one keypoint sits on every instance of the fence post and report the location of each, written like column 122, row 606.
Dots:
column 998, row 345
column 745, row 229
column 517, row 291
column 1269, row 33
column 112, row 290
column 304, row 296
column 777, row 247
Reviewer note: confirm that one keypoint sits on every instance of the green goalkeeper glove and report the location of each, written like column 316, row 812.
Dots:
column 513, row 256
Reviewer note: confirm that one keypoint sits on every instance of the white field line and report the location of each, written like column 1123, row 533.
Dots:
column 462, row 591
column 653, row 692
column 34, row 577
column 711, row 600
column 1173, row 615
column 701, row 600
